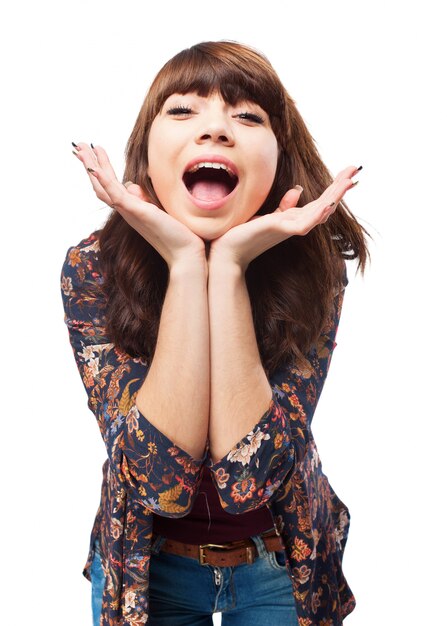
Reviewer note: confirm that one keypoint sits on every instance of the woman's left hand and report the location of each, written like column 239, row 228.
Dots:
column 243, row 243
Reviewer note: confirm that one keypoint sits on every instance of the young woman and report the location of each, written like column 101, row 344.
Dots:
column 203, row 318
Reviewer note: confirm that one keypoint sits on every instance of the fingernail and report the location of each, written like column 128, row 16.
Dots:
column 359, row 168
column 89, row 169
column 332, row 204
column 299, row 187
column 354, row 184
column 75, row 153
column 75, row 145
column 92, row 146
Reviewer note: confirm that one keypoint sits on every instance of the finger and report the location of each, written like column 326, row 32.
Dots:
column 326, row 212
column 348, row 172
column 136, row 190
column 300, row 221
column 120, row 198
column 88, row 158
column 103, row 161
column 85, row 154
column 96, row 160
column 106, row 167
column 323, row 209
column 290, row 199
column 341, row 184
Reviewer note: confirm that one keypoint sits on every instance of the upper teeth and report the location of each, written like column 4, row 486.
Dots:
column 216, row 166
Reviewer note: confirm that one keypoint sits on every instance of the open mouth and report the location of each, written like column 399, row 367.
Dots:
column 209, row 182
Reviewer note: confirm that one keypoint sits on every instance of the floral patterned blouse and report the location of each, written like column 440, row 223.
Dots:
column 276, row 464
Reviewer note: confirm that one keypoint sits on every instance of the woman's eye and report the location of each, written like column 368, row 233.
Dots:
column 252, row 117
column 179, row 111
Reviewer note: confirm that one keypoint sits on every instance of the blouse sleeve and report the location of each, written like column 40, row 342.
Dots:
column 251, row 474
column 157, row 472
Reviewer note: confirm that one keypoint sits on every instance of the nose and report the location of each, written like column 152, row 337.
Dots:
column 215, row 129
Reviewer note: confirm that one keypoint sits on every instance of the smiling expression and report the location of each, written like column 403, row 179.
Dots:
column 211, row 164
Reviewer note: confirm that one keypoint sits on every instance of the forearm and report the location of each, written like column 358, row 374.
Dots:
column 175, row 395
column 240, row 390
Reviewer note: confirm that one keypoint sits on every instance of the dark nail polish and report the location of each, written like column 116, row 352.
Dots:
column 89, row 169
column 75, row 153
column 354, row 184
column 359, row 168
column 75, row 145
column 332, row 204
column 92, row 145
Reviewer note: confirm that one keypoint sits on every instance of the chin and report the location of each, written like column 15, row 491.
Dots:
column 208, row 236
column 208, row 231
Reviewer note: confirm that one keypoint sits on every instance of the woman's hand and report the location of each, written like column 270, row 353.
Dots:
column 243, row 243
column 172, row 239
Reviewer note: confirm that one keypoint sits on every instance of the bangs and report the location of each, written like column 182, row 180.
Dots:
column 223, row 69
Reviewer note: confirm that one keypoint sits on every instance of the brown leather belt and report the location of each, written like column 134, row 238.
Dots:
column 226, row 554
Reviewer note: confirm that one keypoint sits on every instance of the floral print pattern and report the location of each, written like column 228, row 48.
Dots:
column 276, row 464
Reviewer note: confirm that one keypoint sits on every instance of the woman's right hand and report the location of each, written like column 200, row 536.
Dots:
column 172, row 239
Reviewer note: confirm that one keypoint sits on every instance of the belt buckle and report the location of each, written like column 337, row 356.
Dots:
column 248, row 551
column 207, row 545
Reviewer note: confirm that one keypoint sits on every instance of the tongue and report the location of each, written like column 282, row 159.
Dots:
column 209, row 190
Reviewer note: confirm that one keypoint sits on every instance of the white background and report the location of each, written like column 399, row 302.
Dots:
column 368, row 80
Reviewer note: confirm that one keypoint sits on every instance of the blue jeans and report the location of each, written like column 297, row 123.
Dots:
column 185, row 593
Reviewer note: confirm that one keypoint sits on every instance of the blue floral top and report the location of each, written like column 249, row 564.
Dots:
column 276, row 464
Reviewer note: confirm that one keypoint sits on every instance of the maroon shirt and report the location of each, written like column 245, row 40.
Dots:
column 211, row 524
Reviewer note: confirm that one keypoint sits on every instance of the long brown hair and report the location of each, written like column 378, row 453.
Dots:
column 292, row 285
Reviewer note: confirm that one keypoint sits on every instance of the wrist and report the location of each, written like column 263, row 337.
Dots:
column 221, row 266
column 191, row 266
column 221, row 260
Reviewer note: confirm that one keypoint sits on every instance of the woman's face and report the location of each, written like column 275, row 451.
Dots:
column 212, row 165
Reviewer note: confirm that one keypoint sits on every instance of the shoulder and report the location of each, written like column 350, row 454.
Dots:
column 81, row 261
column 81, row 278
column 86, row 251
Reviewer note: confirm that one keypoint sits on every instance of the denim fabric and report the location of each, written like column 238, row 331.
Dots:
column 185, row 593
column 98, row 579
